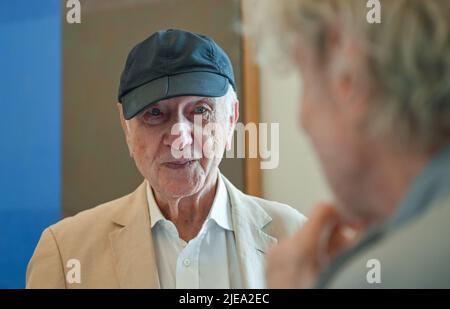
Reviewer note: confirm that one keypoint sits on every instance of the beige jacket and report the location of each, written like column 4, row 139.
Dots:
column 113, row 243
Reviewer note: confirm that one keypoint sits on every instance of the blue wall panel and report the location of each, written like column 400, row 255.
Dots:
column 30, row 130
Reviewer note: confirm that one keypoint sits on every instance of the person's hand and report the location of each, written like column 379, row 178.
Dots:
column 298, row 261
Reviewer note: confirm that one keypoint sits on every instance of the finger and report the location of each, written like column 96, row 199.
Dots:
column 342, row 238
column 324, row 216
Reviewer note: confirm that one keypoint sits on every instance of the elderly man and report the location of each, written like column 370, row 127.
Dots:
column 376, row 106
column 186, row 225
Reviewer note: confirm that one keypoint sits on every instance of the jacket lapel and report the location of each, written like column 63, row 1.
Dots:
column 132, row 243
column 252, row 242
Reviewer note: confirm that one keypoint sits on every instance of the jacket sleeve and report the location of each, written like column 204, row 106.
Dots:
column 45, row 269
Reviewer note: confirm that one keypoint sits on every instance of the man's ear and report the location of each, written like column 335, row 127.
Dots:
column 122, row 119
column 338, row 63
column 348, row 68
column 233, row 120
column 125, row 130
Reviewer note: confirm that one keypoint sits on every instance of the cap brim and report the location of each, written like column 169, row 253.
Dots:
column 204, row 84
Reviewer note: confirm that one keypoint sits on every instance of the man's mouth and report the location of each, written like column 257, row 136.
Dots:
column 179, row 164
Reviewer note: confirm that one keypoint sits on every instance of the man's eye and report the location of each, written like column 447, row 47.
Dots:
column 200, row 110
column 153, row 115
column 155, row 112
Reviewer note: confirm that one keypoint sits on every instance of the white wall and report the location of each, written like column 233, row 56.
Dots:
column 298, row 179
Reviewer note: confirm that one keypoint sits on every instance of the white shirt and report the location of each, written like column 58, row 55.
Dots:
column 207, row 261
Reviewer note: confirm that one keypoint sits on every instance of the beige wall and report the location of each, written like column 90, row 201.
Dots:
column 298, row 180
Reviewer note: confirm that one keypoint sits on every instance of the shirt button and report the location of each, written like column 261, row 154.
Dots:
column 187, row 262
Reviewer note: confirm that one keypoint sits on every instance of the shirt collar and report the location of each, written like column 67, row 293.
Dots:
column 432, row 183
column 220, row 210
column 155, row 213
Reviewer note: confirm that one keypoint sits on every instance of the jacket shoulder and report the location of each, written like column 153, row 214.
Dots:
column 98, row 219
column 285, row 220
column 280, row 211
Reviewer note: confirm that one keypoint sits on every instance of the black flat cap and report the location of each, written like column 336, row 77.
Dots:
column 172, row 63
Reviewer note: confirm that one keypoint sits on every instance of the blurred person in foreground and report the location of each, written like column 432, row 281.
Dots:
column 186, row 225
column 376, row 107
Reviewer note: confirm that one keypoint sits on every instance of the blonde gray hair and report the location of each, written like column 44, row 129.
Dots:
column 408, row 56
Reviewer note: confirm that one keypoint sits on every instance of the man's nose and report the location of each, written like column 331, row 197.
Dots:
column 180, row 135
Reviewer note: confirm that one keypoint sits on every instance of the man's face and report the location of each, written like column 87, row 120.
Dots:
column 171, row 142
column 333, row 126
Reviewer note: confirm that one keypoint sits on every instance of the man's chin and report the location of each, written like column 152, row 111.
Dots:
column 181, row 184
column 180, row 191
column 355, row 217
